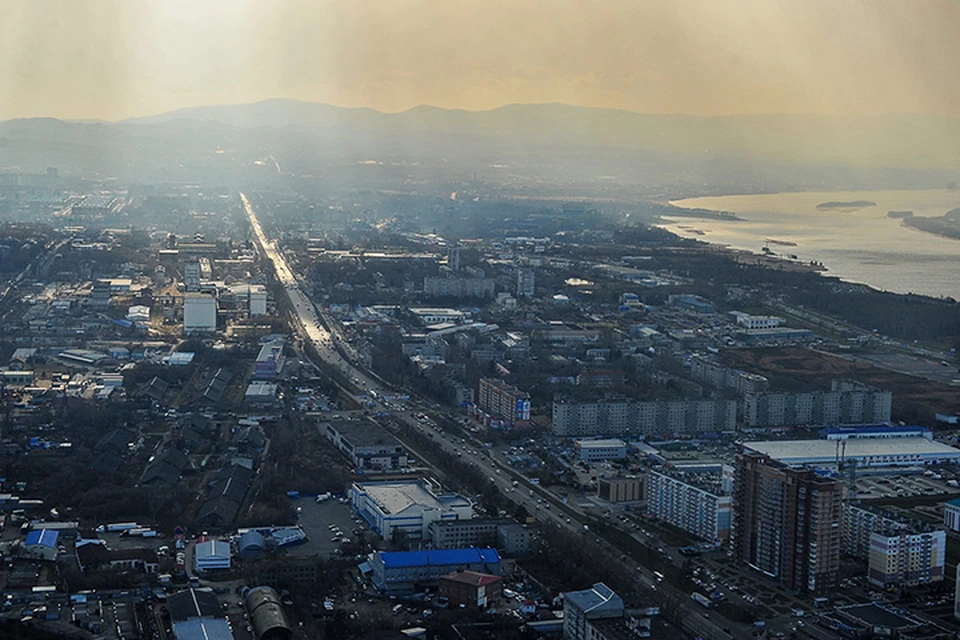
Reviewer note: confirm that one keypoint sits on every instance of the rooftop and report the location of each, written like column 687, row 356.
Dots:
column 364, row 433
column 600, row 596
column 441, row 557
column 395, row 497
column 472, row 578
column 799, row 451
column 43, row 537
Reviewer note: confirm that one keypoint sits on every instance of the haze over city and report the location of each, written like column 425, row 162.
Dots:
column 473, row 320
column 112, row 60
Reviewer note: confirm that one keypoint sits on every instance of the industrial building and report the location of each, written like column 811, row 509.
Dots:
column 785, row 523
column 41, row 544
column 269, row 362
column 196, row 614
column 368, row 446
column 469, row 589
column 846, row 402
column 866, row 452
column 509, row 537
column 408, row 505
column 427, row 316
column 267, row 618
column 597, row 450
column 638, row 418
column 694, row 502
column 260, row 392
column 199, row 313
column 503, row 401
column 405, row 572
column 211, row 555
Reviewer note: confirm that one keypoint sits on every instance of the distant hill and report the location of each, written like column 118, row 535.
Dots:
column 578, row 143
column 899, row 140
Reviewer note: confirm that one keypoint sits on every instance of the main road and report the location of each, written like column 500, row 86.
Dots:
column 548, row 510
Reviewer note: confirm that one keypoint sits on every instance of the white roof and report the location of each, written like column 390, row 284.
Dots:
column 601, row 444
column 799, row 451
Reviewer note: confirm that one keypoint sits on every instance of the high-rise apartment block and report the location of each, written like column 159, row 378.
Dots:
column 786, row 522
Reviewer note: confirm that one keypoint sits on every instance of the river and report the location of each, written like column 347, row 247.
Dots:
column 858, row 243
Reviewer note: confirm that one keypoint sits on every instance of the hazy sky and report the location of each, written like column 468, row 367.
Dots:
column 113, row 59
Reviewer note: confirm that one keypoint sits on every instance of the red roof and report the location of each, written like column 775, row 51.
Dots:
column 472, row 578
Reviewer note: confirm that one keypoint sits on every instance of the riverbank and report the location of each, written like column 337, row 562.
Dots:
column 864, row 246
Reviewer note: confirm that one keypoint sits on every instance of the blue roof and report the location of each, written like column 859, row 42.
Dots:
column 954, row 503
column 250, row 538
column 45, row 537
column 439, row 557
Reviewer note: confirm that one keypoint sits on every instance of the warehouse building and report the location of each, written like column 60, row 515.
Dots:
column 267, row 618
column 211, row 555
column 597, row 450
column 199, row 313
column 408, row 505
column 405, row 572
column 866, row 452
column 368, row 446
column 196, row 614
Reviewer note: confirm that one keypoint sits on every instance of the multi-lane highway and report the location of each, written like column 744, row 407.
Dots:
column 543, row 505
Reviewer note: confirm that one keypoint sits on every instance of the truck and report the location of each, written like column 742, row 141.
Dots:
column 115, row 527
column 701, row 599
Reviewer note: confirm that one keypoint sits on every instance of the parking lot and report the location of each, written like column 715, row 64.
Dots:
column 903, row 485
column 315, row 519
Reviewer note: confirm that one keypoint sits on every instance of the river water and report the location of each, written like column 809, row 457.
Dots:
column 858, row 244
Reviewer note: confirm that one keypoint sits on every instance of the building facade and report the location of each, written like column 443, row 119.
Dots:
column 597, row 450
column 409, row 506
column 845, row 403
column 690, row 502
column 403, row 572
column 502, row 400
column 621, row 489
column 582, row 609
column 786, row 523
column 623, row 417
column 907, row 559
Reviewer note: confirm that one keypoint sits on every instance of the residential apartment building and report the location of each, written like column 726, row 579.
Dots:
column 786, row 523
column 859, row 522
column 692, row 502
column 503, row 401
column 907, row 559
column 440, row 287
column 845, row 403
column 714, row 374
column 638, row 418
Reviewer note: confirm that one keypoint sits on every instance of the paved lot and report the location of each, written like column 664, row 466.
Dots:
column 316, row 519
